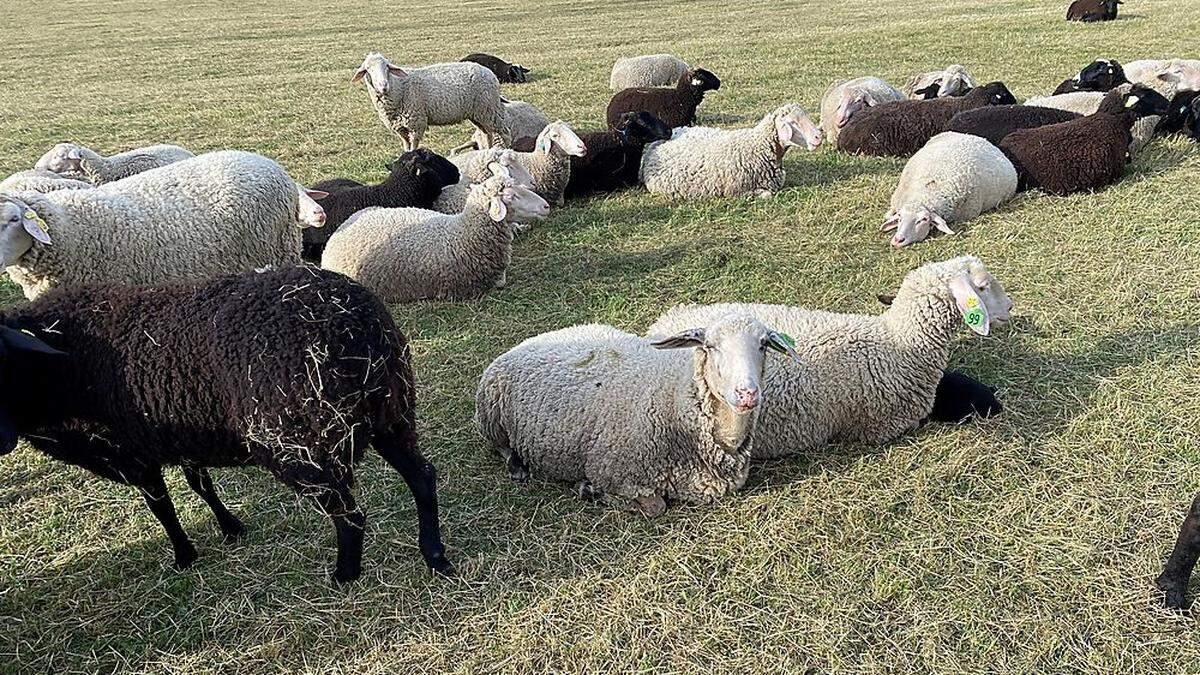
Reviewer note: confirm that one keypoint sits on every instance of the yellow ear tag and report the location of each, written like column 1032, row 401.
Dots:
column 31, row 215
column 973, row 317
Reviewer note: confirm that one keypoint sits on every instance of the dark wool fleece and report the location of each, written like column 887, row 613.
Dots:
column 674, row 105
column 994, row 122
column 1083, row 154
column 900, row 128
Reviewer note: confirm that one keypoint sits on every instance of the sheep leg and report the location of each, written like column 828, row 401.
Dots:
column 1175, row 575
column 154, row 492
column 201, row 483
column 337, row 502
column 518, row 471
column 398, row 447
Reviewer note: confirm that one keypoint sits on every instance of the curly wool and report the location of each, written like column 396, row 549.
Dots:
column 653, row 70
column 97, row 169
column 707, row 162
column 441, row 94
column 593, row 403
column 900, row 128
column 879, row 90
column 1088, row 102
column 958, row 176
column 994, row 122
column 674, row 105
column 218, row 213
column 40, row 180
column 551, row 171
column 864, row 379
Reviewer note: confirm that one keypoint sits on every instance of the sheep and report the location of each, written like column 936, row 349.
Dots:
column 415, row 179
column 1177, row 571
column 900, row 128
column 524, row 121
column 613, row 157
column 606, row 410
column 862, row 378
column 960, row 396
column 1088, row 102
column 1102, row 75
column 706, row 162
column 293, row 370
column 676, row 105
column 82, row 163
column 953, row 81
column 549, row 165
column 845, row 98
column 1090, row 11
column 412, row 254
column 505, row 72
column 40, row 180
column 408, row 101
column 994, row 122
column 1086, row 153
column 1179, row 118
column 654, row 70
column 954, row 178
column 218, row 213
column 1193, row 121
column 454, row 196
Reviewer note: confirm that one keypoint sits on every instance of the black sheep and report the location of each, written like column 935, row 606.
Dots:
column 1102, row 75
column 994, row 122
column 614, row 157
column 507, row 73
column 960, row 396
column 1181, row 116
column 1193, row 123
column 416, row 178
column 1173, row 581
column 1089, row 11
column 675, row 106
column 1087, row 153
column 295, row 370
column 900, row 128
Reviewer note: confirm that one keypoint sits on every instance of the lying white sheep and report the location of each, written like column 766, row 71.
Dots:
column 859, row 378
column 40, row 180
column 652, row 70
column 605, row 409
column 218, row 213
column 703, row 162
column 1088, row 102
column 407, row 254
column 843, row 99
column 523, row 121
column 76, row 161
column 953, row 81
column 954, row 178
column 409, row 101
column 453, row 197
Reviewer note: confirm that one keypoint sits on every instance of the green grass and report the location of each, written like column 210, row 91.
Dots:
column 1024, row 543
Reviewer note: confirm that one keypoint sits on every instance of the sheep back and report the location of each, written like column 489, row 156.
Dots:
column 900, row 128
column 996, row 122
column 654, row 70
column 705, row 162
column 1084, row 154
column 958, row 176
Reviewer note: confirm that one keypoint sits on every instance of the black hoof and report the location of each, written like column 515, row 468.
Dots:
column 517, row 471
column 344, row 577
column 440, row 566
column 185, row 558
column 233, row 530
column 1174, row 594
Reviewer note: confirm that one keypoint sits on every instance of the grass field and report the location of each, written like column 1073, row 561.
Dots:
column 1026, row 543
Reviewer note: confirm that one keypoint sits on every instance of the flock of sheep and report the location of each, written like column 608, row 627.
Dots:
column 173, row 322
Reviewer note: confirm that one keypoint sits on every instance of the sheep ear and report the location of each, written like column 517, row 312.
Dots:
column 886, row 298
column 892, row 222
column 782, row 343
column 316, row 194
column 543, row 141
column 396, row 70
column 498, row 169
column 973, row 311
column 497, row 210
column 940, row 223
column 688, row 338
column 35, row 226
column 358, row 75
column 18, row 340
column 786, row 130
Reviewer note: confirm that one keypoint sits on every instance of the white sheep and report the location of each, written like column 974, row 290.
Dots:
column 652, row 70
column 953, row 81
column 844, row 98
column 218, row 213
column 40, row 180
column 605, row 409
column 76, row 161
column 860, row 378
column 699, row 162
column 1088, row 102
column 523, row 121
column 453, row 197
column 409, row 101
column 407, row 254
column 954, row 178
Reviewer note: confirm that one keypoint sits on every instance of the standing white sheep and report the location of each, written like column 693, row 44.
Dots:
column 409, row 101
column 843, row 99
column 652, row 70
column 76, row 161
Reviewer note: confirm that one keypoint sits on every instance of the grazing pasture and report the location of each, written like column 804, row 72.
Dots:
column 1026, row 542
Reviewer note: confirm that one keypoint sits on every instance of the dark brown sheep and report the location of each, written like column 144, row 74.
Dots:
column 507, row 73
column 1089, row 11
column 294, row 370
column 674, row 106
column 994, row 122
column 900, row 128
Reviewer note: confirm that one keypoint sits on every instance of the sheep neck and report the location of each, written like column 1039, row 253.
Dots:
column 923, row 320
column 548, row 169
column 722, row 431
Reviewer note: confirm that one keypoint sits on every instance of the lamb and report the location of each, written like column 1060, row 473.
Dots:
column 654, row 70
column 635, row 426
column 676, row 106
column 954, row 178
column 82, row 163
column 412, row 254
column 1086, row 153
column 953, row 81
column 613, row 157
column 40, row 180
column 862, row 379
column 293, row 370
column 214, row 214
column 505, row 72
column 408, row 101
column 843, row 99
column 1090, row 11
column 900, row 128
column 1102, row 75
column 524, row 121
column 706, row 162
column 994, row 122
column 415, row 179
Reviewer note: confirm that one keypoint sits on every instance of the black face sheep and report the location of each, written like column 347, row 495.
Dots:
column 1090, row 11
column 416, row 179
column 1193, row 124
column 674, row 106
column 994, row 122
column 1102, row 75
column 613, row 157
column 900, row 128
column 1086, row 153
column 295, row 370
column 507, row 73
column 1179, row 118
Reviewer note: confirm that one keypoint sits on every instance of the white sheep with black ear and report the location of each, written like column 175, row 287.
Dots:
column 609, row 411
column 860, row 378
column 408, row 101
column 843, row 99
column 76, row 161
column 953, row 81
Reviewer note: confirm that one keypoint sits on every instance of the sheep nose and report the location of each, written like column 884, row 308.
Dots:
column 898, row 241
column 747, row 398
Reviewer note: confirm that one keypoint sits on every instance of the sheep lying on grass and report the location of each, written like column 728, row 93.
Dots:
column 674, row 105
column 994, row 122
column 653, row 70
column 953, row 81
column 613, row 157
column 293, row 370
column 523, row 120
column 76, row 161
column 605, row 409
column 505, row 72
column 862, row 379
column 1089, row 11
column 40, row 180
column 1102, row 75
column 548, row 165
column 842, row 100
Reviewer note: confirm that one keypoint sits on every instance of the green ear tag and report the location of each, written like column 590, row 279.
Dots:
column 788, row 339
column 973, row 317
